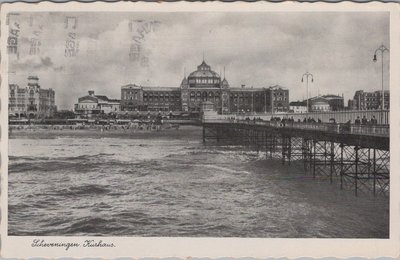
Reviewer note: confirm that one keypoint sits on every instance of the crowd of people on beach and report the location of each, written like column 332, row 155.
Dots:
column 132, row 126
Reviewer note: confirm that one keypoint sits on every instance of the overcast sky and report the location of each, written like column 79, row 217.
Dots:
column 257, row 49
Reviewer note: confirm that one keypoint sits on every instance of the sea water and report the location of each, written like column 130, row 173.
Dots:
column 174, row 185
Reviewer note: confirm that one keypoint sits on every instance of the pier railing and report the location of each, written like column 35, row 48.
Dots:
column 382, row 117
column 382, row 130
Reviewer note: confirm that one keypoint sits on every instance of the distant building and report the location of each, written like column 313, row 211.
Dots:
column 369, row 100
column 140, row 98
column 351, row 104
column 280, row 99
column 318, row 104
column 204, row 85
column 92, row 105
column 31, row 101
column 336, row 102
column 298, row 107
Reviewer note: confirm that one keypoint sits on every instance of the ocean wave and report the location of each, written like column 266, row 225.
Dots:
column 20, row 164
column 18, row 208
column 51, row 166
column 79, row 191
column 222, row 168
column 131, row 215
column 88, row 189
column 102, row 205
column 15, row 159
column 227, row 151
column 91, row 225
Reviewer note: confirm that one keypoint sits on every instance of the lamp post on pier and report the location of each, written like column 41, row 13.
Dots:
column 381, row 49
column 307, row 75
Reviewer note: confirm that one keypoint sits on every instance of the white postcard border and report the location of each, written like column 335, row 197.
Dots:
column 139, row 247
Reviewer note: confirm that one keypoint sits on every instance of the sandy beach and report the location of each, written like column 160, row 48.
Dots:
column 182, row 132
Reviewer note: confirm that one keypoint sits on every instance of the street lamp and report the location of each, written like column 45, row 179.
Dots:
column 307, row 75
column 382, row 50
column 265, row 101
column 252, row 102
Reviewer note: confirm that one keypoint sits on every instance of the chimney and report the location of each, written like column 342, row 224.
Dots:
column 91, row 93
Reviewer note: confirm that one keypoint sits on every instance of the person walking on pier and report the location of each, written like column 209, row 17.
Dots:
column 364, row 120
column 357, row 121
column 373, row 120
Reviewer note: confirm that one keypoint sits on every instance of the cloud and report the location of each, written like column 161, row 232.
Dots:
column 33, row 63
column 257, row 49
column 46, row 62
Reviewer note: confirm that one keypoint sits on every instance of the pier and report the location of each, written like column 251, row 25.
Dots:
column 355, row 156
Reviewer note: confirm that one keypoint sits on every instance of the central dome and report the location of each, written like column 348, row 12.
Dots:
column 203, row 70
column 204, row 77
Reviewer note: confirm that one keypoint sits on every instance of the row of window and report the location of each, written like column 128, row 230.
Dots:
column 87, row 106
column 19, row 101
column 136, row 94
column 131, row 92
column 193, row 99
column 204, row 94
column 279, row 93
column 320, row 107
column 131, row 97
column 161, row 94
column 192, row 94
column 161, row 99
column 210, row 97
column 204, row 81
column 19, row 96
column 20, row 106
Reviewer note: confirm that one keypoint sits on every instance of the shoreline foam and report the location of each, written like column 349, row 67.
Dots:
column 183, row 132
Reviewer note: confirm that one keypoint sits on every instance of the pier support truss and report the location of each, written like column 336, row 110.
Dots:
column 361, row 167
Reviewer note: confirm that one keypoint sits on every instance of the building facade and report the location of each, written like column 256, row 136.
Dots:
column 141, row 98
column 298, row 107
column 204, row 85
column 336, row 102
column 369, row 100
column 31, row 101
column 318, row 104
column 93, row 105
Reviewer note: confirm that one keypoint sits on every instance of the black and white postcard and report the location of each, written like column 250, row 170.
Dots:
column 200, row 130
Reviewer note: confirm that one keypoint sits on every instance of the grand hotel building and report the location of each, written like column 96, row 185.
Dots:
column 31, row 101
column 204, row 85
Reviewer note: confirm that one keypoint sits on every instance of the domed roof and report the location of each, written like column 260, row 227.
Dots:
column 319, row 101
column 203, row 74
column 203, row 71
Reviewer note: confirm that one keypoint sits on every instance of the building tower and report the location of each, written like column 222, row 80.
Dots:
column 185, row 94
column 225, row 95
